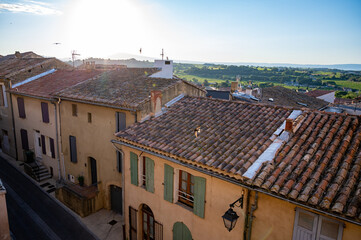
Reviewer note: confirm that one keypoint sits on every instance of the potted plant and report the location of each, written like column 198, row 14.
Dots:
column 81, row 180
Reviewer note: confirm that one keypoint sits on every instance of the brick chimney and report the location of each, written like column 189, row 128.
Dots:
column 289, row 125
column 156, row 102
column 17, row 54
column 234, row 86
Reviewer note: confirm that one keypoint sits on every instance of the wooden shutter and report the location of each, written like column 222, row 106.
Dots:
column 132, row 223
column 181, row 232
column 199, row 196
column 24, row 139
column 329, row 229
column 21, row 107
column 168, row 183
column 149, row 175
column 305, row 227
column 43, row 147
column 45, row 112
column 73, row 152
column 158, row 229
column 52, row 147
column 134, row 168
column 119, row 161
column 120, row 121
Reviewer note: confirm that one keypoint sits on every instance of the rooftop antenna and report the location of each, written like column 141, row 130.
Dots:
column 73, row 54
column 162, row 54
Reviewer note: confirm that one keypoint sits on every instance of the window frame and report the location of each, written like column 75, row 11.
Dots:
column 188, row 199
column 74, row 110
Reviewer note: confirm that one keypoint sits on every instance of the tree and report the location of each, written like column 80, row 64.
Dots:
column 205, row 82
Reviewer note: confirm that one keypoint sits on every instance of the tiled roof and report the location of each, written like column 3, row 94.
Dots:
column 317, row 93
column 22, row 55
column 232, row 134
column 126, row 87
column 290, row 98
column 218, row 94
column 54, row 82
column 319, row 165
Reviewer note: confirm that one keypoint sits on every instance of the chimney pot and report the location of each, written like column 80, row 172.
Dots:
column 234, row 86
column 289, row 125
column 17, row 54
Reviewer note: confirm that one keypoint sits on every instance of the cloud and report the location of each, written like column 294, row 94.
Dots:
column 33, row 7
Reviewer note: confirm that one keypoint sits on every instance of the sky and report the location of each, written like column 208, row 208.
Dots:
column 258, row 31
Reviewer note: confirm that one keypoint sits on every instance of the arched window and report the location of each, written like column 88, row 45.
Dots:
column 148, row 223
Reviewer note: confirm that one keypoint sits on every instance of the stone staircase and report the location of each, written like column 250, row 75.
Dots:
column 37, row 171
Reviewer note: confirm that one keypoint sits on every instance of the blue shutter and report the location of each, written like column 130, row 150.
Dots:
column 199, row 196
column 43, row 144
column 52, row 147
column 133, row 168
column 73, row 152
column 149, row 175
column 168, row 183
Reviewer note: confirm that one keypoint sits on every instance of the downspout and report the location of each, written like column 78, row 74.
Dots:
column 247, row 215
column 13, row 122
column 57, row 140
column 61, row 140
column 253, row 209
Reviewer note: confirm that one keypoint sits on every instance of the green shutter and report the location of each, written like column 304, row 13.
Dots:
column 134, row 168
column 199, row 196
column 168, row 183
column 181, row 232
column 149, row 175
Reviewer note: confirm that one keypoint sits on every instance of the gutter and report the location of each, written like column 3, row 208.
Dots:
column 13, row 122
column 57, row 140
column 97, row 104
column 31, row 96
column 233, row 181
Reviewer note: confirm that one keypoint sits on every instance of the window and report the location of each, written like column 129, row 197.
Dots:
column 45, row 112
column 48, row 147
column 43, row 144
column 119, row 161
column 186, row 188
column 74, row 109
column 191, row 190
column 312, row 226
column 146, row 173
column 21, row 107
column 24, row 139
column 73, row 153
column 89, row 117
column 120, row 118
column 52, row 147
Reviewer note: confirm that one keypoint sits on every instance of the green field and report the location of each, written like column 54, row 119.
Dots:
column 346, row 84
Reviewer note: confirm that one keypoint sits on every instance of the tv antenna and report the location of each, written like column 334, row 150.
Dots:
column 73, row 54
column 162, row 54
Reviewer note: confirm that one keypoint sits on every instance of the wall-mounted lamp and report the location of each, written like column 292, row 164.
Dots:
column 230, row 217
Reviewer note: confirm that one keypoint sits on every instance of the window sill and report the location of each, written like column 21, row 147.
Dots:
column 184, row 206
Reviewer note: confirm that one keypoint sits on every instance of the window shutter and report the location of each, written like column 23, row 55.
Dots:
column 52, row 147
column 21, row 107
column 45, row 112
column 73, row 152
column 119, row 161
column 168, row 183
column 149, row 175
column 305, row 225
column 134, row 168
column 199, row 196
column 24, row 139
column 120, row 121
column 43, row 144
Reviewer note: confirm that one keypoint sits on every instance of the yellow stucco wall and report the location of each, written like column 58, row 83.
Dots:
column 33, row 122
column 218, row 197
column 4, row 223
column 274, row 219
column 92, row 140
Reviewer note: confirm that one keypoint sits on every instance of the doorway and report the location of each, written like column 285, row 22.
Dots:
column 116, row 200
column 147, row 223
column 93, row 171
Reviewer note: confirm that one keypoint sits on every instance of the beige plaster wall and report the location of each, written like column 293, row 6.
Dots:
column 4, row 223
column 274, row 219
column 219, row 195
column 92, row 140
column 32, row 122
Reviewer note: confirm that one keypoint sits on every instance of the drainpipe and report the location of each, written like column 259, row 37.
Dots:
column 13, row 122
column 247, row 215
column 253, row 209
column 57, row 140
column 61, row 141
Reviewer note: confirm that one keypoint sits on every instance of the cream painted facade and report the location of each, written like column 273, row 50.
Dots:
column 35, row 127
column 273, row 218
column 218, row 196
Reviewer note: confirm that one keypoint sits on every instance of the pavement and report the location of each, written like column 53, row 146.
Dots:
column 104, row 224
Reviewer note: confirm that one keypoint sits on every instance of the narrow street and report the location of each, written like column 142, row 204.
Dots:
column 35, row 215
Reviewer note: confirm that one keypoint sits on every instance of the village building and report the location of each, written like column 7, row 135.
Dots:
column 37, row 122
column 193, row 171
column 91, row 112
column 15, row 69
column 326, row 95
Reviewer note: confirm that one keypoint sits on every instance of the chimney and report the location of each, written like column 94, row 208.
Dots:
column 17, row 54
column 166, row 69
column 234, row 86
column 156, row 102
column 289, row 125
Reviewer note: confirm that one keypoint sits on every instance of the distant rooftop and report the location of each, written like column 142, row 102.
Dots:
column 218, row 94
column 318, row 93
